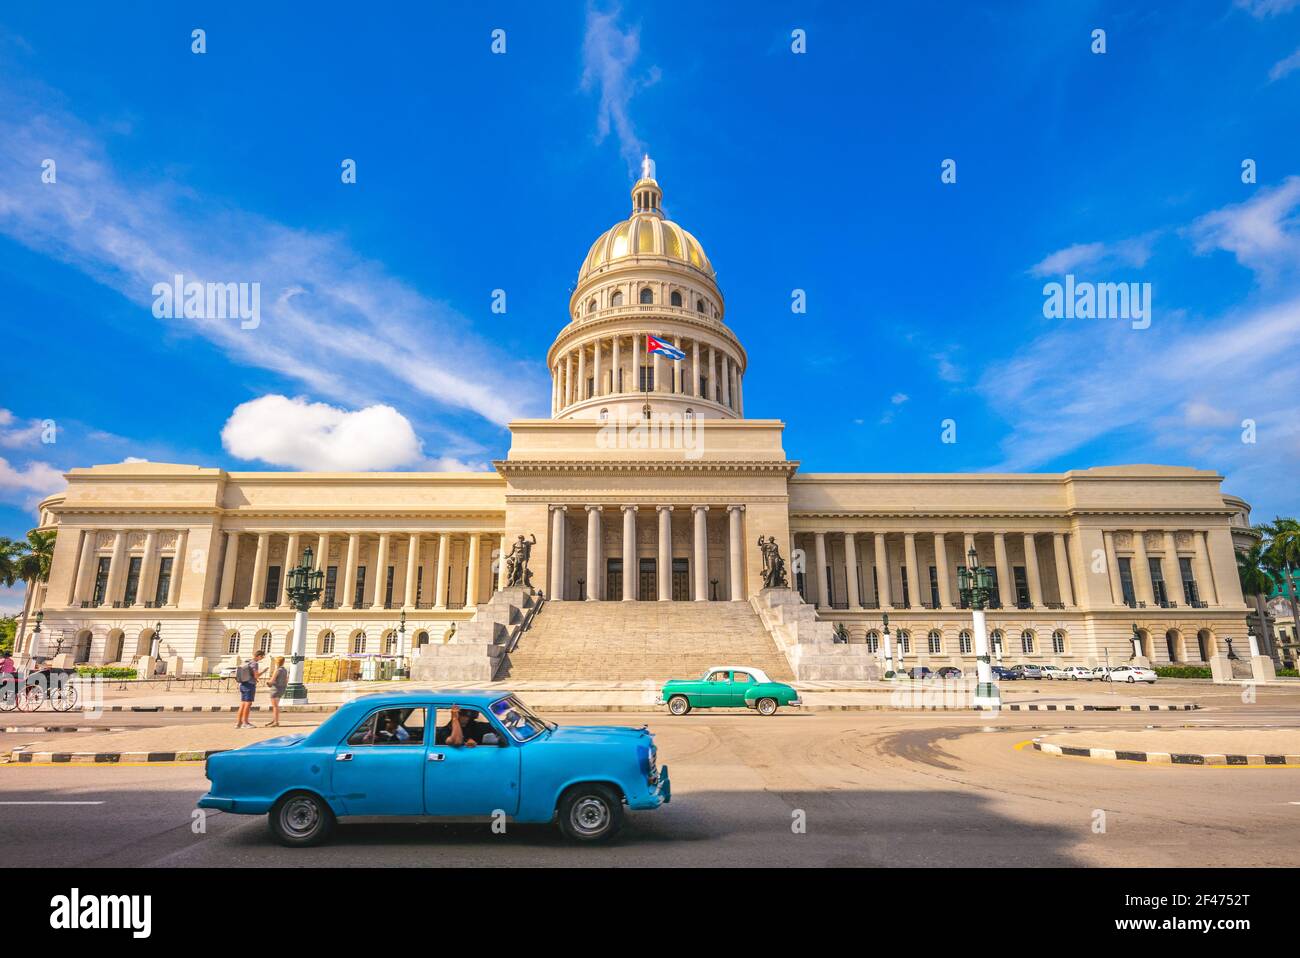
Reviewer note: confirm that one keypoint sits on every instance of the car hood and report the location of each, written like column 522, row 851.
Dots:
column 279, row 742
column 596, row 733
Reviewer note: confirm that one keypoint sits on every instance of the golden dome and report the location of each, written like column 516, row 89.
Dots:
column 645, row 233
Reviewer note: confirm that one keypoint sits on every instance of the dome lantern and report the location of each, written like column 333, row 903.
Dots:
column 647, row 197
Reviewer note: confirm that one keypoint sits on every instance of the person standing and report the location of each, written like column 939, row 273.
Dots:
column 277, row 681
column 247, row 675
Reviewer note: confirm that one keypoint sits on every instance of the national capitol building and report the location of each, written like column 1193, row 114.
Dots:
column 647, row 493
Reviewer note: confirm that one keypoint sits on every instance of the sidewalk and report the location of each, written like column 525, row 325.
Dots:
column 1179, row 746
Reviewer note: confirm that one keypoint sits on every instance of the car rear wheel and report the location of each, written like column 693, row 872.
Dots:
column 590, row 813
column 301, row 819
column 766, row 706
column 679, row 705
column 1131, row 680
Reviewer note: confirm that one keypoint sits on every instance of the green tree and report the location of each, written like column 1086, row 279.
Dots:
column 1282, row 557
column 8, row 628
column 31, row 562
column 1256, row 584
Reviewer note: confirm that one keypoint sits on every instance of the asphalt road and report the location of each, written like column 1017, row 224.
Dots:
column 871, row 789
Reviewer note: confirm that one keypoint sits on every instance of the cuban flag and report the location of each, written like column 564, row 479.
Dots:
column 667, row 350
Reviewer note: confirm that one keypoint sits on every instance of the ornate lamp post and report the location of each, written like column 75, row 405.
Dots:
column 889, row 646
column 975, row 584
column 156, row 645
column 401, row 672
column 304, row 588
column 34, row 641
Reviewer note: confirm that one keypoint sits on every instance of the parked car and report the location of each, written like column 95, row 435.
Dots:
column 388, row 755
column 728, row 686
column 1005, row 674
column 921, row 672
column 1053, row 672
column 949, row 672
column 1131, row 674
column 1101, row 673
column 1075, row 672
column 1028, row 671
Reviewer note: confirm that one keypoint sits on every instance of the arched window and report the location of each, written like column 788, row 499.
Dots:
column 964, row 641
column 904, row 642
column 997, row 641
column 690, row 413
column 934, row 642
column 359, row 643
column 327, row 643
column 232, row 646
column 676, row 298
column 873, row 641
column 390, row 643
column 604, row 414
column 647, row 297
column 645, row 411
column 264, row 642
column 699, row 305
column 1058, row 642
column 421, row 638
column 616, row 298
column 1027, row 641
column 591, row 307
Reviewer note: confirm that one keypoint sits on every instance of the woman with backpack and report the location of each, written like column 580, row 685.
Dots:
column 247, row 675
column 277, row 681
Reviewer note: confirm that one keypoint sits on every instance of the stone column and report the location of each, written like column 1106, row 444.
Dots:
column 472, row 574
column 413, row 569
column 178, row 567
column 556, row 588
column 1142, row 572
column 665, row 570
column 147, row 565
column 116, row 569
column 740, row 394
column 695, row 368
column 1112, row 568
column 1006, row 584
column 582, row 374
column 1062, row 570
column 1173, row 574
column 941, row 569
column 594, row 551
column 567, row 392
column 968, row 544
column 726, row 380
column 819, row 554
column 228, row 570
column 381, row 571
column 712, row 388
column 736, row 556
column 631, row 574
column 885, row 597
column 85, row 584
column 615, row 366
column 292, row 554
column 595, row 369
column 1031, row 572
column 1204, row 575
column 851, row 570
column 635, row 379
column 501, row 563
column 701, row 560
column 322, row 565
column 555, row 388
column 350, row 572
column 914, row 593
column 444, row 567
column 257, row 593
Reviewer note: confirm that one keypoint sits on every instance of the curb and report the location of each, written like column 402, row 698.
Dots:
column 1186, row 707
column 106, row 758
column 1166, row 758
column 205, row 708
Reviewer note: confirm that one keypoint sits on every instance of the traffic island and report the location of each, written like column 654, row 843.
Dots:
column 1212, row 747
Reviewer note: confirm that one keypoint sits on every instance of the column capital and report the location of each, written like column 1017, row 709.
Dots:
column 559, row 508
column 734, row 508
column 663, row 508
column 591, row 509
column 695, row 509
column 631, row 509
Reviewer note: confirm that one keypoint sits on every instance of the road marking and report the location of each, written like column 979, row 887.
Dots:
column 1027, row 742
column 51, row 803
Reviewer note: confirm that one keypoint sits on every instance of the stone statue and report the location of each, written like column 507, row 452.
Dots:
column 517, row 571
column 773, row 565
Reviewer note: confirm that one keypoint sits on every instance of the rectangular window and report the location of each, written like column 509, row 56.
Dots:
column 132, row 580
column 388, row 587
column 1021, row 579
column 1058, row 642
column 1190, row 595
column 964, row 642
column 934, row 587
column 331, row 583
column 875, row 586
column 1158, row 582
column 101, row 580
column 271, row 596
column 358, row 599
column 164, row 587
column 907, row 599
column 647, row 379
column 1126, row 581
column 936, row 643
column 419, row 584
column 704, row 387
column 995, row 597
column 830, row 587
column 1027, row 642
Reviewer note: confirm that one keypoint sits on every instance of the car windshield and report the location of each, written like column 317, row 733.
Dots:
column 521, row 723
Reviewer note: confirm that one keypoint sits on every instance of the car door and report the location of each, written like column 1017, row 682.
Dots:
column 741, row 682
column 465, row 781
column 717, row 689
column 373, row 774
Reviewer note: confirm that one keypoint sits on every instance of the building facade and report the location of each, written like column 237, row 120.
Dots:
column 646, row 484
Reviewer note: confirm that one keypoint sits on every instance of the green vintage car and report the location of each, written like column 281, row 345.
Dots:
column 728, row 686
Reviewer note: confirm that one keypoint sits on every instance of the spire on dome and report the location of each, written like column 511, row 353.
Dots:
column 647, row 197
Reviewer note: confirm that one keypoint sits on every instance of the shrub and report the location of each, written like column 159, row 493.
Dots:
column 1288, row 673
column 1182, row 671
column 105, row 672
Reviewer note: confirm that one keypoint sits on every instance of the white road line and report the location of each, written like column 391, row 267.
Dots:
column 51, row 803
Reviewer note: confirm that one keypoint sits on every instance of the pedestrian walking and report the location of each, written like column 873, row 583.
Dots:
column 247, row 675
column 277, row 681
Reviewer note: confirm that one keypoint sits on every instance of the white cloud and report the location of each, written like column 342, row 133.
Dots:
column 1131, row 252
column 1263, row 232
column 28, row 484
column 1261, row 9
column 16, row 434
column 899, row 398
column 316, row 436
column 454, row 464
column 608, row 55
column 332, row 320
column 1284, row 66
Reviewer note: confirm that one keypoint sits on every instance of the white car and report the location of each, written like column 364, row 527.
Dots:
column 1131, row 674
column 1102, row 673
column 1053, row 672
column 1077, row 672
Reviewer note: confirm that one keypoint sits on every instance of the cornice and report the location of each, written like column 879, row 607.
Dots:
column 1060, row 514
column 693, row 467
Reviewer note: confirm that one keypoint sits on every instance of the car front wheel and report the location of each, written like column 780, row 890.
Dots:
column 1131, row 680
column 766, row 706
column 679, row 705
column 590, row 813
column 300, row 820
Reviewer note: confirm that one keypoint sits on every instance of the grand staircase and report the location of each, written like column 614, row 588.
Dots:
column 636, row 641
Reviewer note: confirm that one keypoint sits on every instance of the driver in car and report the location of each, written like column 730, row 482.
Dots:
column 464, row 728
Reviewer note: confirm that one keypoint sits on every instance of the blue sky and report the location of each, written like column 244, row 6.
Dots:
column 817, row 171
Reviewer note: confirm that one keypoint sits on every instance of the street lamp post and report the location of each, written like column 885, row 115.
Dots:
column 304, row 588
column 34, row 641
column 401, row 672
column 156, row 645
column 889, row 647
column 975, row 585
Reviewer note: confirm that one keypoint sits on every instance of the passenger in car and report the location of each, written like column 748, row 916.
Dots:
column 393, row 731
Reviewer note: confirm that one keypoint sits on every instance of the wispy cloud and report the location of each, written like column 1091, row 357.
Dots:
column 609, row 55
column 1132, row 252
column 1262, row 9
column 1263, row 233
column 1284, row 66
column 333, row 321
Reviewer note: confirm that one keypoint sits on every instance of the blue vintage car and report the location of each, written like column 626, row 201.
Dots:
column 461, row 754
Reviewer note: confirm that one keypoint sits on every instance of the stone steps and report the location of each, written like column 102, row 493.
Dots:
column 642, row 641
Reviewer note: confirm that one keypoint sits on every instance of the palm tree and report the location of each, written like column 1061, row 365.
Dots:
column 1256, row 583
column 1282, row 556
column 8, row 566
column 31, row 561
